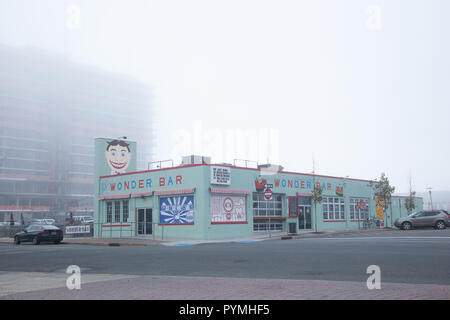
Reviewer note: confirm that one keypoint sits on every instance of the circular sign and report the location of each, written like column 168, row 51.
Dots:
column 228, row 205
column 361, row 205
column 268, row 194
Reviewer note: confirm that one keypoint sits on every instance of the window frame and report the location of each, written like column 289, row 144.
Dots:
column 333, row 209
column 357, row 214
column 109, row 211
column 117, row 210
column 271, row 208
column 125, row 213
column 291, row 214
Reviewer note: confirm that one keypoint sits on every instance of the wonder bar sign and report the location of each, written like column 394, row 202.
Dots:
column 135, row 183
column 221, row 175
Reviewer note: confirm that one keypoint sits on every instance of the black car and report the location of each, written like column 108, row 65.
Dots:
column 38, row 233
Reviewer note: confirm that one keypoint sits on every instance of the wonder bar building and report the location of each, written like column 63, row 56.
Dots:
column 200, row 200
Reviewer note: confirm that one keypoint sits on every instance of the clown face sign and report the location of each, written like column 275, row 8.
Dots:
column 118, row 156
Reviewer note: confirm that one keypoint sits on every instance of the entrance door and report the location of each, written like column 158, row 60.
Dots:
column 144, row 221
column 304, row 213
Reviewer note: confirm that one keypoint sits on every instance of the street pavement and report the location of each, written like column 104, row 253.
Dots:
column 414, row 265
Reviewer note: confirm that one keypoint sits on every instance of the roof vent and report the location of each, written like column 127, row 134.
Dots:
column 270, row 167
column 186, row 160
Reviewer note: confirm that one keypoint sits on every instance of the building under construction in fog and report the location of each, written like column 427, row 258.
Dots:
column 50, row 111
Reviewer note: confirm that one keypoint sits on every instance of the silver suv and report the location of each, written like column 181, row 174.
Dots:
column 439, row 219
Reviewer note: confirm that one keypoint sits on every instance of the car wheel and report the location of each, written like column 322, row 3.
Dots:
column 35, row 240
column 57, row 241
column 16, row 240
column 440, row 225
column 406, row 226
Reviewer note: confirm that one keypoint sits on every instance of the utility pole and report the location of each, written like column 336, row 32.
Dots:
column 410, row 190
column 431, row 199
column 314, row 189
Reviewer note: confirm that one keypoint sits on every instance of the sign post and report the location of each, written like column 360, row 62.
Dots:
column 268, row 197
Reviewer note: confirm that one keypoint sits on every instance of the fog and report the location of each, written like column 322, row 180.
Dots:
column 360, row 86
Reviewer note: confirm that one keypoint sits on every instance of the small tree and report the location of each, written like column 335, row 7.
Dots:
column 383, row 190
column 316, row 193
column 410, row 205
column 316, row 198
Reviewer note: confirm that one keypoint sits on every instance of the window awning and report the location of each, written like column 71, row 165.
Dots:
column 229, row 191
column 305, row 194
column 142, row 194
column 174, row 191
column 118, row 196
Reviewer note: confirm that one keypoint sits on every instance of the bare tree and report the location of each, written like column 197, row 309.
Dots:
column 410, row 204
column 316, row 194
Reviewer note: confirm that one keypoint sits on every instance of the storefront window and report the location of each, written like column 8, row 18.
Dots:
column 267, row 208
column 109, row 211
column 359, row 208
column 125, row 210
column 266, row 225
column 117, row 211
column 333, row 208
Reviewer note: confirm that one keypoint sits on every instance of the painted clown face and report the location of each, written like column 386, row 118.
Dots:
column 118, row 156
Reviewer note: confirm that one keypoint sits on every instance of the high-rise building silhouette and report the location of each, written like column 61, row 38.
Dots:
column 51, row 110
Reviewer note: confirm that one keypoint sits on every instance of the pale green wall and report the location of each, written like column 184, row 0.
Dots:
column 198, row 177
column 101, row 168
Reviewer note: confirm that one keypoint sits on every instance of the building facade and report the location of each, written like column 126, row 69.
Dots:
column 50, row 111
column 200, row 200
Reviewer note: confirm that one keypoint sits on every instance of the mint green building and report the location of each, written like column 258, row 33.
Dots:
column 200, row 200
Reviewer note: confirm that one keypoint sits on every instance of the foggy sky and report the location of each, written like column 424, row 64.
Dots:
column 363, row 100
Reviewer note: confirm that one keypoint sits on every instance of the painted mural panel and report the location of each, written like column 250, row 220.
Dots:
column 176, row 209
column 379, row 208
column 228, row 209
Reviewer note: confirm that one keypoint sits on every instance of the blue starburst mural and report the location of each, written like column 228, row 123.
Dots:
column 176, row 210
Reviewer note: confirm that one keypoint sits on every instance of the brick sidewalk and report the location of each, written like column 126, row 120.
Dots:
column 207, row 288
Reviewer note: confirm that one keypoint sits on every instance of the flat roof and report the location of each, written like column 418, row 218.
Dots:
column 235, row 167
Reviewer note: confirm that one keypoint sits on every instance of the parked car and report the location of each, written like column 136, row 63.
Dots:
column 439, row 219
column 39, row 233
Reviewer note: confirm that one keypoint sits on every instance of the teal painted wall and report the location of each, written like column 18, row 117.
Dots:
column 199, row 177
column 102, row 167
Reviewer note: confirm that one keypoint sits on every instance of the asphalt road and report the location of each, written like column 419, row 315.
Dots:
column 414, row 257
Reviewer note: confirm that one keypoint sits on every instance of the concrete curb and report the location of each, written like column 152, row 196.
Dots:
column 322, row 234
column 105, row 244
column 108, row 244
column 179, row 242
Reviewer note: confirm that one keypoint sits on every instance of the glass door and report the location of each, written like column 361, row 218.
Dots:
column 304, row 213
column 144, row 221
column 301, row 217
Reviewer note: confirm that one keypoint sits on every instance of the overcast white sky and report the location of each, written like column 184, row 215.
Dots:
column 365, row 91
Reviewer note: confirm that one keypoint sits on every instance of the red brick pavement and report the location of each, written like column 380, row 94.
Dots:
column 206, row 288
